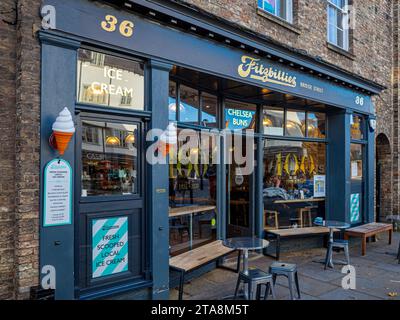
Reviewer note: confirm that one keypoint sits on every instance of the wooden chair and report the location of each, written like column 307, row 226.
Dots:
column 271, row 214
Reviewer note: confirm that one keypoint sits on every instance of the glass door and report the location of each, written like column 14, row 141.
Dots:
column 357, row 184
column 111, row 206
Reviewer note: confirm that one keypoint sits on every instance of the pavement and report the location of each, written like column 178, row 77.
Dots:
column 377, row 275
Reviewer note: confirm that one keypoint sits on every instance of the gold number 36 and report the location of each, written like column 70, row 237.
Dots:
column 110, row 25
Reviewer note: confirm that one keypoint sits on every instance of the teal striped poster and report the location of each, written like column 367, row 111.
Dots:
column 109, row 246
column 355, row 214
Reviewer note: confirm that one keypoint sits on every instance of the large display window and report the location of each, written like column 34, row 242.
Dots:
column 294, row 183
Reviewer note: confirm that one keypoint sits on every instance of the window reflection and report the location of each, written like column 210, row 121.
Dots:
column 189, row 108
column 209, row 106
column 295, row 124
column 357, row 127
column 316, row 123
column 109, row 158
column 111, row 81
column 273, row 121
column 294, row 184
column 172, row 101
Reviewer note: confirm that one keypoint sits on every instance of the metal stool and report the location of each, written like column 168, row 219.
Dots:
column 289, row 271
column 340, row 244
column 254, row 279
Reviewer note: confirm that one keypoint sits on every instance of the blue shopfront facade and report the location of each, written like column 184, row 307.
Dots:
column 158, row 38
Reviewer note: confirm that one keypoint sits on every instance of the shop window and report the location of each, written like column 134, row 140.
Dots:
column 338, row 29
column 316, row 125
column 209, row 107
column 240, row 115
column 357, row 129
column 273, row 121
column 110, row 81
column 295, row 123
column 280, row 8
column 294, row 183
column 192, row 184
column 189, row 105
column 172, row 101
column 109, row 159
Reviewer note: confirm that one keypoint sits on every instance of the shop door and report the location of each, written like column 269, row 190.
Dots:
column 240, row 198
column 111, row 213
column 357, row 214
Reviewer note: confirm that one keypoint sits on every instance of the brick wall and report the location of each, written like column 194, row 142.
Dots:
column 7, row 146
column 19, row 153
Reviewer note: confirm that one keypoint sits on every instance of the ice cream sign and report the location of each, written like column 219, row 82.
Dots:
column 106, row 87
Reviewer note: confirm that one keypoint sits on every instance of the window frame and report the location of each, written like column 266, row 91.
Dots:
column 288, row 9
column 345, row 28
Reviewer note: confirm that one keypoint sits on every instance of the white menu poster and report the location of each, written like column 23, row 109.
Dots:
column 57, row 203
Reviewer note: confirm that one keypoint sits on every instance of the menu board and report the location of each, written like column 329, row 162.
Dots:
column 57, row 205
column 109, row 246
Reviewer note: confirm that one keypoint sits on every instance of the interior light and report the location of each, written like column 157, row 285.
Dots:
column 130, row 139
column 113, row 141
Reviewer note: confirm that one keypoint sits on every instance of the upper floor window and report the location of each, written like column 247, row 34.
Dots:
column 338, row 23
column 280, row 8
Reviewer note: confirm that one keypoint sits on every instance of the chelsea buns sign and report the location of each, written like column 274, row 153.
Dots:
column 252, row 68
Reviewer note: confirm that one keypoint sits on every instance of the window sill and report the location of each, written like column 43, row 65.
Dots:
column 341, row 51
column 277, row 20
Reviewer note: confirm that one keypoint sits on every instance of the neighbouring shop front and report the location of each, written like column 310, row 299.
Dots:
column 124, row 71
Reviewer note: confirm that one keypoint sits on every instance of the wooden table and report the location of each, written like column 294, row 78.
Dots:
column 184, row 211
column 299, row 201
column 367, row 231
column 189, row 211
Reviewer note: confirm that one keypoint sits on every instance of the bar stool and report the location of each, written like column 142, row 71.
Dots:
column 254, row 279
column 302, row 214
column 289, row 271
column 271, row 214
column 340, row 244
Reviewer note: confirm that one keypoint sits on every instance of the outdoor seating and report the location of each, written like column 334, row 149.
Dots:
column 340, row 244
column 368, row 231
column 254, row 279
column 199, row 257
column 290, row 272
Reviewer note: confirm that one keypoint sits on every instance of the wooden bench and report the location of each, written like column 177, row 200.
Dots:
column 199, row 257
column 292, row 233
column 367, row 231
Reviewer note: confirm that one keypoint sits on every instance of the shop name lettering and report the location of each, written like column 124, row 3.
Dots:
column 252, row 68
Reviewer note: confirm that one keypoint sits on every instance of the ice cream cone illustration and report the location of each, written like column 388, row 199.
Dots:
column 63, row 130
column 168, row 138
